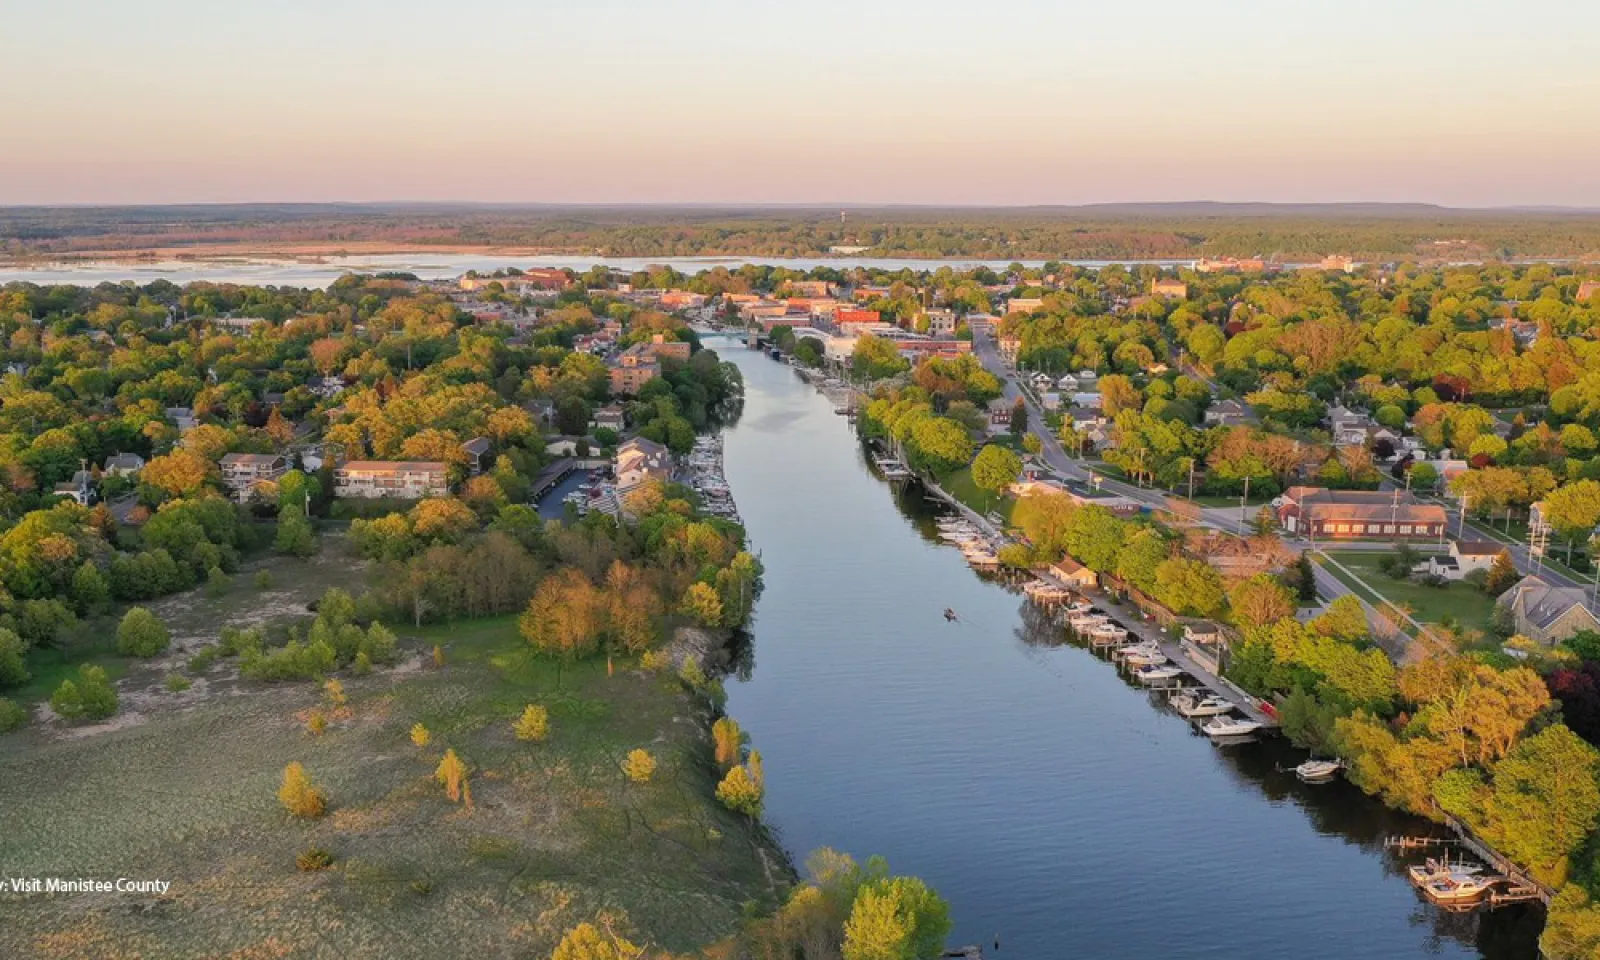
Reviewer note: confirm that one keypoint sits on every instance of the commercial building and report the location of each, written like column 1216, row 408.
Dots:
column 1359, row 515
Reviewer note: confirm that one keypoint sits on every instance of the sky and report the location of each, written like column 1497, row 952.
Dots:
column 1458, row 102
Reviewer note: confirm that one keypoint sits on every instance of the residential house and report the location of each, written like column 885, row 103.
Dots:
column 1227, row 413
column 1067, row 384
column 1093, row 401
column 1162, row 287
column 1464, row 557
column 635, row 367
column 1000, row 410
column 682, row 300
column 1548, row 613
column 1050, row 400
column 1205, row 643
column 1359, row 514
column 1074, row 574
column 79, row 488
column 238, row 324
column 609, row 417
column 123, row 464
column 401, row 479
column 1349, row 428
column 638, row 462
column 182, row 417
column 242, row 471
column 476, row 450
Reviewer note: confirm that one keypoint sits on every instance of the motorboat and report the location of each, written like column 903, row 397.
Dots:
column 1210, row 705
column 1078, row 607
column 1144, row 658
column 1157, row 673
column 1318, row 771
column 1107, row 630
column 1221, row 727
column 1433, row 871
column 1448, row 891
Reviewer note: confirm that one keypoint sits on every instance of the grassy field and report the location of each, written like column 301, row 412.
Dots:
column 185, row 792
column 1458, row 601
column 961, row 486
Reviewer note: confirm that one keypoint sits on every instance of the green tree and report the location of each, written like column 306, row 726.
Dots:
column 896, row 918
column 91, row 591
column 941, row 444
column 1260, row 600
column 995, row 468
column 90, row 697
column 295, row 537
column 1190, row 587
column 13, row 659
column 141, row 634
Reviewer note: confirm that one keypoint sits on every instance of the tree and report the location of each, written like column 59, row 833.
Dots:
column 534, row 724
column 740, row 792
column 1502, row 575
column 1019, row 417
column 1574, row 511
column 299, row 795
column 728, row 740
column 420, row 735
column 1189, row 586
column 13, row 659
column 295, row 537
column 588, row 942
column 91, row 591
column 565, row 615
column 995, row 468
column 640, row 766
column 452, row 775
column 941, row 444
column 180, row 473
column 141, row 634
column 1260, row 600
column 702, row 604
column 1117, row 393
column 896, row 918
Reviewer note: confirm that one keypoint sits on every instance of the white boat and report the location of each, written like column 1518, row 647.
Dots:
column 1157, row 673
column 983, row 559
column 1144, row 658
column 1220, row 727
column 1209, row 705
column 1432, row 871
column 1078, row 606
column 1107, row 629
column 1317, row 771
column 1087, row 621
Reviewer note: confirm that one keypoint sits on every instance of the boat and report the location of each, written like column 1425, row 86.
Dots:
column 1448, row 891
column 1144, row 658
column 1210, row 705
column 1107, row 629
column 1318, row 771
column 950, row 615
column 1157, row 673
column 1431, row 871
column 1087, row 621
column 983, row 559
column 1220, row 727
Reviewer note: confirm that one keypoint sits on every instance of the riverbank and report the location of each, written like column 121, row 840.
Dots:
column 556, row 833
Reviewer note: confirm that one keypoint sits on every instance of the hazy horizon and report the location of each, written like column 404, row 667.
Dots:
column 717, row 103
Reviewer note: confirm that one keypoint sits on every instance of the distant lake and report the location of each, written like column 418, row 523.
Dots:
column 320, row 272
column 1050, row 800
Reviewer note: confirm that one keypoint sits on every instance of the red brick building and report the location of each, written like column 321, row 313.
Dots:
column 1359, row 515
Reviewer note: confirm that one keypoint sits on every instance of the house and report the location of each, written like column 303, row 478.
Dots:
column 635, row 367
column 1359, row 514
column 609, row 417
column 242, row 471
column 1074, row 574
column 941, row 323
column 1161, row 287
column 402, row 479
column 1050, row 400
column 1227, row 413
column 1093, row 401
column 1348, row 428
column 1547, row 613
column 1205, row 643
column 238, row 324
column 123, row 464
column 1465, row 556
column 79, row 488
column 1067, row 384
column 640, row 461
column 182, row 418
column 476, row 449
column 682, row 300
column 1024, row 305
column 999, row 415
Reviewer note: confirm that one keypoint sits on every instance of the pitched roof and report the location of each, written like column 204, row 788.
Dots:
column 259, row 459
column 1479, row 548
column 1543, row 604
column 398, row 466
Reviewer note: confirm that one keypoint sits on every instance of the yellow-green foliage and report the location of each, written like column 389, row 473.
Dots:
column 534, row 724
column 640, row 766
column 299, row 796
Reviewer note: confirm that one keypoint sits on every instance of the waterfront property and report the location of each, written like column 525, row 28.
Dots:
column 640, row 461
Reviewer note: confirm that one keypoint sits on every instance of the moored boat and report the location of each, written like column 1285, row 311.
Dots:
column 1157, row 673
column 1221, row 727
column 1318, row 771
column 1207, row 705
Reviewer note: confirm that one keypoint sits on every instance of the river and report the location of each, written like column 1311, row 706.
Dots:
column 1046, row 798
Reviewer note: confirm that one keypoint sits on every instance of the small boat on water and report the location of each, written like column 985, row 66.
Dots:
column 1222, row 727
column 1318, row 771
column 1107, row 630
column 950, row 615
column 1144, row 658
column 1452, row 884
column 1157, row 673
column 1208, row 705
column 1431, row 870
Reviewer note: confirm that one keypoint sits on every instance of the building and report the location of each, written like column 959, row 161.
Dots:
column 635, row 367
column 682, row 300
column 820, row 289
column 1465, row 556
column 941, row 323
column 640, row 461
column 242, row 471
column 660, row 346
column 1000, row 410
column 238, row 324
column 1338, row 262
column 845, row 316
column 401, row 479
column 123, row 464
column 79, row 488
column 1024, row 305
column 1227, row 413
column 1547, row 613
column 1161, row 287
column 1359, row 515
column 182, row 418
column 610, row 418
column 476, row 449
column 1074, row 574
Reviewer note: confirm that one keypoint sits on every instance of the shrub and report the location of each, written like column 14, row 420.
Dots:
column 13, row 659
column 316, row 723
column 217, row 582
column 141, row 634
column 293, row 661
column 452, row 775
column 639, row 766
column 654, row 660
column 740, row 792
column 299, row 795
column 534, row 724
column 41, row 622
column 177, row 683
column 203, row 660
column 420, row 735
column 12, row 715
column 263, row 580
column 314, row 859
column 362, row 665
column 691, row 674
column 90, row 697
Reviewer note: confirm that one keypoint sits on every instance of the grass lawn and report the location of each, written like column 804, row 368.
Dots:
column 1459, row 601
column 182, row 787
column 960, row 485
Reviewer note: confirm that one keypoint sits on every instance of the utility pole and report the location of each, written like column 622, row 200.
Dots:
column 1191, row 479
column 1242, row 501
column 1461, row 519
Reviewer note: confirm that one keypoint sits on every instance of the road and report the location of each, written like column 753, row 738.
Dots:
column 1055, row 456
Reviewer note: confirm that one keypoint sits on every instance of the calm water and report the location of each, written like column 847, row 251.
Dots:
column 271, row 271
column 1049, row 800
